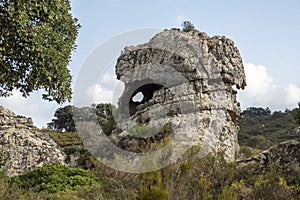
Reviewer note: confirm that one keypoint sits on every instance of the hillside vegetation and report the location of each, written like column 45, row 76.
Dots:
column 188, row 178
column 261, row 129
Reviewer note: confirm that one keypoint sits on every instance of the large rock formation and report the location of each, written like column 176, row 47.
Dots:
column 185, row 80
column 22, row 146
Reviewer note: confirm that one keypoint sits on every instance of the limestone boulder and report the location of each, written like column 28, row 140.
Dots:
column 188, row 80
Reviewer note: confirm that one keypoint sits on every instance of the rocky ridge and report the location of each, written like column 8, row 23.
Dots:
column 285, row 154
column 22, row 146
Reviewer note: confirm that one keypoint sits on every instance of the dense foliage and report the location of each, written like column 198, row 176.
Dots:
column 255, row 112
column 54, row 178
column 188, row 178
column 36, row 40
column 63, row 120
column 259, row 128
column 65, row 116
column 52, row 182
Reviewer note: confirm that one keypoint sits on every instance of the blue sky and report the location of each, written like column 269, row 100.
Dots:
column 267, row 33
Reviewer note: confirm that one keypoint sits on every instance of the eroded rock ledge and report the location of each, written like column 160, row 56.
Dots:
column 22, row 146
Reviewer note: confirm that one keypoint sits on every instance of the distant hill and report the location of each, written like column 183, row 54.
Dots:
column 261, row 129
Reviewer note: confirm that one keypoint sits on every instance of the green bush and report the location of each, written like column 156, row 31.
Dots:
column 273, row 185
column 152, row 186
column 228, row 193
column 189, row 178
column 154, row 193
column 185, row 167
column 53, row 178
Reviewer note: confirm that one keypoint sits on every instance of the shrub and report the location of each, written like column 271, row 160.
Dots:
column 228, row 193
column 187, row 26
column 53, row 178
column 154, row 193
column 185, row 167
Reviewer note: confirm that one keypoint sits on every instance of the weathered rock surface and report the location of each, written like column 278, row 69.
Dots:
column 285, row 154
column 186, row 79
column 22, row 146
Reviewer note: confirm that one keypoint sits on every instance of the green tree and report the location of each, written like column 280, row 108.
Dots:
column 254, row 112
column 36, row 40
column 187, row 26
column 64, row 120
column 64, row 117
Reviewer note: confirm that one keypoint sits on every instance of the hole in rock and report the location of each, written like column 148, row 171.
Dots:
column 138, row 97
column 142, row 95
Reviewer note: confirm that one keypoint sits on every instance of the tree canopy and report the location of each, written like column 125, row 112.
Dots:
column 253, row 111
column 63, row 120
column 36, row 41
column 261, row 129
column 64, row 117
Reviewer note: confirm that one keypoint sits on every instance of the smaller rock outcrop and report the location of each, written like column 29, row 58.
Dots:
column 22, row 146
column 286, row 154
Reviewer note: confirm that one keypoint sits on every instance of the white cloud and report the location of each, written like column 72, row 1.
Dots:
column 292, row 92
column 262, row 91
column 33, row 106
column 95, row 93
column 108, row 90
